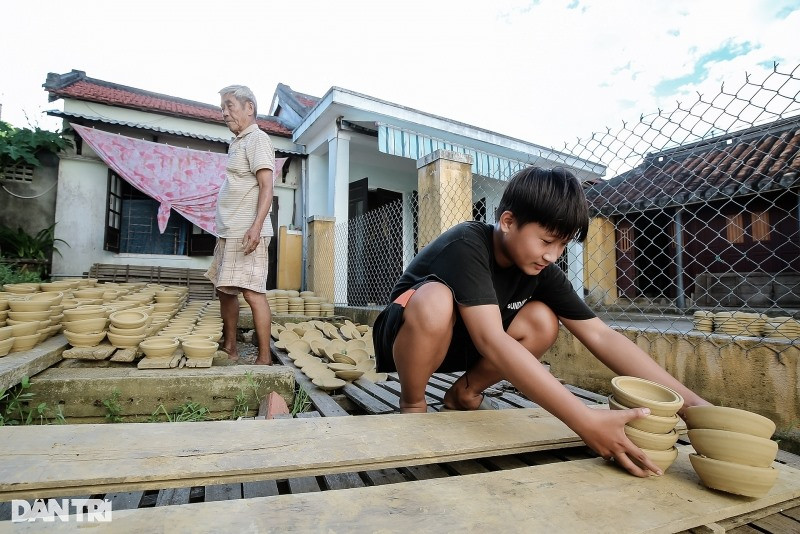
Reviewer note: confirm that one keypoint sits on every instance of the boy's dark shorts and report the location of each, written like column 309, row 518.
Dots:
column 461, row 355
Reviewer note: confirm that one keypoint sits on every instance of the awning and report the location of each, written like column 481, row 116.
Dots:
column 182, row 179
column 409, row 144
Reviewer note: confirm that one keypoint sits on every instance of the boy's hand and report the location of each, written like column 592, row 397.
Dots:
column 602, row 430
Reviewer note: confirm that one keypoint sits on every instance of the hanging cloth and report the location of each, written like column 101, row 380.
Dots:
column 182, row 179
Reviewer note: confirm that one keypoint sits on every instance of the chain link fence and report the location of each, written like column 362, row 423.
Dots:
column 696, row 217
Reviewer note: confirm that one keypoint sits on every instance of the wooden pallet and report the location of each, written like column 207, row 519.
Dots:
column 200, row 287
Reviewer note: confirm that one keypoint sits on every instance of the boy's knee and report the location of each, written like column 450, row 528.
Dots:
column 431, row 307
column 536, row 327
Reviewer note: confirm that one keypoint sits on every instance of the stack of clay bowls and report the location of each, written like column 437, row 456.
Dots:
column 159, row 346
column 296, row 306
column 3, row 309
column 654, row 434
column 704, row 321
column 85, row 326
column 782, row 327
column 734, row 449
column 128, row 327
column 6, row 340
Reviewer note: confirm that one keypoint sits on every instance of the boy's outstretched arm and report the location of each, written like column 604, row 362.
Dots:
column 624, row 357
column 602, row 430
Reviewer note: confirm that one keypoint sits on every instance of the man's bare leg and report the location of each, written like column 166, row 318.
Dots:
column 422, row 341
column 229, row 309
column 535, row 327
column 262, row 319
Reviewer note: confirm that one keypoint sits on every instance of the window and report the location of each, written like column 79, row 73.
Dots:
column 625, row 239
column 734, row 228
column 132, row 225
column 17, row 173
column 760, row 225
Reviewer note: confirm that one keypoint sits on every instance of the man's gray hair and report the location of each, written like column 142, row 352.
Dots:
column 243, row 94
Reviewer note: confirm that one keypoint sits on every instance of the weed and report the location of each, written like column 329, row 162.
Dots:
column 301, row 403
column 188, row 411
column 113, row 407
column 15, row 407
column 247, row 392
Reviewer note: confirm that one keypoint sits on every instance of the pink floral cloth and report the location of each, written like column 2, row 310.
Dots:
column 182, row 179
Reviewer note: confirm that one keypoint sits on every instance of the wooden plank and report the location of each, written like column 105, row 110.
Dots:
column 125, row 500
column 17, row 365
column 587, row 395
column 777, row 524
column 426, row 472
column 366, row 401
column 125, row 355
column 303, row 485
column 52, row 460
column 340, row 480
column 172, row 496
column 261, row 488
column 223, row 492
column 496, row 501
column 466, row 467
column 386, row 396
column 99, row 352
column 794, row 513
column 321, row 400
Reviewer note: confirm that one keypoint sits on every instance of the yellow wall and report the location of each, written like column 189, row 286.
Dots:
column 600, row 274
column 290, row 258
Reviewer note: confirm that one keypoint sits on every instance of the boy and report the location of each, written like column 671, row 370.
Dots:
column 488, row 300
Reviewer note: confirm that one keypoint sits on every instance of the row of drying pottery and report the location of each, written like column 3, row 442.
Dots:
column 329, row 354
column 746, row 324
column 733, row 449
column 293, row 302
column 89, row 313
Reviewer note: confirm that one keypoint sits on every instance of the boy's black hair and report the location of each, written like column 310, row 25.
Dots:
column 552, row 198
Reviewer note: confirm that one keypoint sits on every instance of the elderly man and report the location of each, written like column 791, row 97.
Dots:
column 244, row 201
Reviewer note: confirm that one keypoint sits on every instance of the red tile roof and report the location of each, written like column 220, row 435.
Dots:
column 761, row 158
column 77, row 85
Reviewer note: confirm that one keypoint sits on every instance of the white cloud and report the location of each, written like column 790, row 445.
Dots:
column 539, row 71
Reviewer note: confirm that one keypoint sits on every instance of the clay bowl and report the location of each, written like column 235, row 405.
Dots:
column 328, row 384
column 84, row 339
column 21, row 289
column 3, row 304
column 85, row 312
column 662, row 459
column 307, row 359
column 54, row 298
column 652, row 423
column 734, row 478
column 366, row 365
column 87, row 326
column 357, row 354
column 314, row 371
column 344, row 358
column 341, row 367
column 734, row 447
column 29, row 315
column 639, row 393
column 200, row 348
column 28, row 305
column 287, row 336
column 215, row 335
column 194, row 337
column 355, row 344
column 24, row 329
column 376, row 377
column 649, row 440
column 5, row 345
column 159, row 347
column 127, row 331
column 89, row 293
column 25, row 342
column 164, row 307
column 298, row 346
column 5, row 332
column 333, row 346
column 125, row 342
column 349, row 374
column 128, row 319
column 732, row 419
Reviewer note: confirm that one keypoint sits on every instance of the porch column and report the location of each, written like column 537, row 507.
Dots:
column 445, row 193
column 338, row 197
column 319, row 268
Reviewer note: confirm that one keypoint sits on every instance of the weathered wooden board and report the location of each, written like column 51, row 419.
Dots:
column 98, row 352
column 576, row 496
column 17, row 365
column 51, row 461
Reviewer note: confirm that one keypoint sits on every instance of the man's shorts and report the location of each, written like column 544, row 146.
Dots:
column 232, row 270
column 461, row 355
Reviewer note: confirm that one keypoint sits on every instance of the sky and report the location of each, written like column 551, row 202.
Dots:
column 543, row 71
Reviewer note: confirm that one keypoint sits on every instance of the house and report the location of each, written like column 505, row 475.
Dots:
column 353, row 164
column 717, row 220
column 105, row 219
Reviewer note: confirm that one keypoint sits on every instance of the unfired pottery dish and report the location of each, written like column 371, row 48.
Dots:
column 636, row 392
column 649, row 440
column 734, row 447
column 733, row 419
column 734, row 478
column 652, row 423
column 662, row 459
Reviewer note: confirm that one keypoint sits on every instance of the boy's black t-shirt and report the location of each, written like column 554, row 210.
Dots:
column 463, row 258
